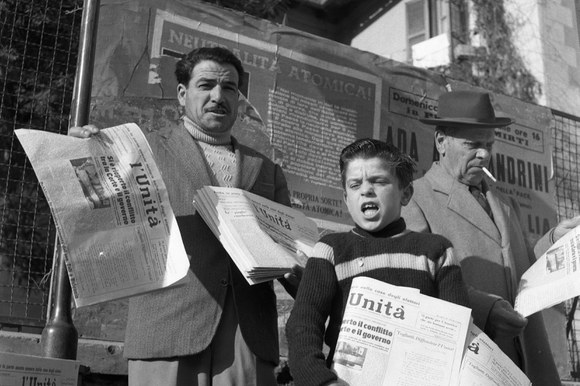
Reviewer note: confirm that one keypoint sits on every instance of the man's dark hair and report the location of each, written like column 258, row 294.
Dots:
column 367, row 148
column 221, row 55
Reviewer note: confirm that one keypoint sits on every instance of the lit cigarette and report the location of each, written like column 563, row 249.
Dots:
column 489, row 174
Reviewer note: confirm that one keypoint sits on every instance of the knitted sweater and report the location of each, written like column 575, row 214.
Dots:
column 394, row 255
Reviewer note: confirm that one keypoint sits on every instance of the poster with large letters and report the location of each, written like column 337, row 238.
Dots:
column 305, row 98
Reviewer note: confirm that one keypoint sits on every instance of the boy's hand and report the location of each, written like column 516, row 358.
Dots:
column 504, row 321
column 291, row 280
column 84, row 131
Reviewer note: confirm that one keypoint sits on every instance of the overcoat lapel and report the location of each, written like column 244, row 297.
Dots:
column 249, row 166
column 501, row 213
column 461, row 202
column 189, row 154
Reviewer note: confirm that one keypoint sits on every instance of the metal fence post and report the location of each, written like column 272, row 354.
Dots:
column 60, row 337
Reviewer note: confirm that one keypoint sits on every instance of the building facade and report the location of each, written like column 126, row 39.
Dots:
column 434, row 33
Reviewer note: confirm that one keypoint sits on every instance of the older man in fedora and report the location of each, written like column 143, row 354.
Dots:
column 454, row 200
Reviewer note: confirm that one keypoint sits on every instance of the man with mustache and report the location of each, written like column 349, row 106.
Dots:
column 217, row 329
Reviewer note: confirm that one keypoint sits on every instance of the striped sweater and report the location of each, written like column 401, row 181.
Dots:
column 394, row 255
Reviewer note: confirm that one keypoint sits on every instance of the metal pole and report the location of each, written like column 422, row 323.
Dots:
column 82, row 89
column 60, row 337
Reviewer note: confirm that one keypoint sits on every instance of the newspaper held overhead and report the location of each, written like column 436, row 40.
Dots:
column 396, row 336
column 262, row 237
column 553, row 278
column 111, row 211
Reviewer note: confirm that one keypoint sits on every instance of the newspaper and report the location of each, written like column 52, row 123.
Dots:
column 112, row 213
column 27, row 370
column 553, row 278
column 262, row 237
column 398, row 337
column 485, row 364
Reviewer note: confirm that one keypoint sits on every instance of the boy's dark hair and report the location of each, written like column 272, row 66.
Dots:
column 221, row 55
column 367, row 148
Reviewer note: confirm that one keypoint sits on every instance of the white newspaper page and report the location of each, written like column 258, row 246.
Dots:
column 398, row 337
column 484, row 364
column 553, row 278
column 286, row 226
column 111, row 210
column 25, row 370
column 261, row 236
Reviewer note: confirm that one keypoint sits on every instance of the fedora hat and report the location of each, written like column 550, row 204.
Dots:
column 468, row 109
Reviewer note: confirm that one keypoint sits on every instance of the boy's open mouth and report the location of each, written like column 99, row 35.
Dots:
column 369, row 209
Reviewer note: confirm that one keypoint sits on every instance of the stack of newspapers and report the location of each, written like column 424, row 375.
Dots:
column 265, row 239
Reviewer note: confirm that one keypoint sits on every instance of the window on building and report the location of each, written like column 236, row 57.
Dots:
column 422, row 21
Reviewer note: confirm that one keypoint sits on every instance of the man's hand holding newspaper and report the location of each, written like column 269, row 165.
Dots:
column 265, row 239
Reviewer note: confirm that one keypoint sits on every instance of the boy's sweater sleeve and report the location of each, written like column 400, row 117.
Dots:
column 451, row 286
column 306, row 324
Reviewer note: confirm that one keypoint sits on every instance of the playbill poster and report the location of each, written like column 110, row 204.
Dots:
column 305, row 98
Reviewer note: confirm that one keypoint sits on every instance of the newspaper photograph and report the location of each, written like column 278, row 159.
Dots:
column 25, row 370
column 112, row 212
column 263, row 237
column 553, row 278
column 396, row 336
column 484, row 364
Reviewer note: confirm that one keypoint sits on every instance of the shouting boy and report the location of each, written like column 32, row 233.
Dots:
column 377, row 182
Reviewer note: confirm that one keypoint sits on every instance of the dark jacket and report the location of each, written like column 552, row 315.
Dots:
column 183, row 320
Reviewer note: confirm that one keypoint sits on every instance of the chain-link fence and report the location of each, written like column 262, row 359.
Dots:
column 38, row 50
column 566, row 144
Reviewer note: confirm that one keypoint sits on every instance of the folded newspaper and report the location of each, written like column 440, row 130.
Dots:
column 394, row 335
column 485, row 364
column 262, row 237
column 112, row 213
column 28, row 370
column 553, row 278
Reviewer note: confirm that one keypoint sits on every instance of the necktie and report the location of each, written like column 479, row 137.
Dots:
column 480, row 197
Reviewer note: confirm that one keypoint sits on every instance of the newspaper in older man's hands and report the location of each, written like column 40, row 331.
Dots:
column 112, row 212
column 262, row 237
column 553, row 278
